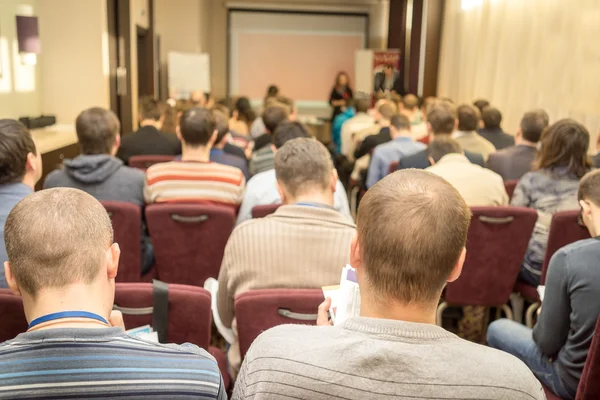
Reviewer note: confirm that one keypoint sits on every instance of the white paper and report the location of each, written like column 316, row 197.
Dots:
column 541, row 291
column 212, row 285
column 345, row 299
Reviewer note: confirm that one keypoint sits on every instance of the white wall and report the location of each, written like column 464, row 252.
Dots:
column 20, row 85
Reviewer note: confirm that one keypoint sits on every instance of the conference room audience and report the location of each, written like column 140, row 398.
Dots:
column 63, row 264
column 360, row 121
column 492, row 131
column 218, row 154
column 20, row 170
column 258, row 126
column 401, row 145
column 195, row 178
column 466, row 135
column 552, row 186
column 394, row 349
column 477, row 185
column 514, row 162
column 385, row 113
column 148, row 139
column 441, row 122
column 410, row 108
column 340, row 94
column 304, row 244
column 557, row 348
column 263, row 155
column 262, row 189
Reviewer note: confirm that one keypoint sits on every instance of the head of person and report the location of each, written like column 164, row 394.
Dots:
column 441, row 146
column 388, row 70
column 152, row 112
column 197, row 128
column 291, row 106
column 399, row 125
column 222, row 126
column 589, row 201
column 288, row 130
column 564, row 144
column 244, row 111
column 481, row 104
column 272, row 91
column 426, row 103
column 468, row 118
column 386, row 111
column 441, row 118
column 274, row 115
column 59, row 241
column 98, row 131
column 305, row 172
column 492, row 117
column 20, row 162
column 362, row 105
column 342, row 80
column 410, row 102
column 532, row 125
column 397, row 263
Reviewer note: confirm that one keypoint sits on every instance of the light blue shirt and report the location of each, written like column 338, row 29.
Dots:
column 389, row 152
column 261, row 190
column 10, row 195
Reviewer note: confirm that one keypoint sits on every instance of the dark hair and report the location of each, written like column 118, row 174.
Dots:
column 274, row 115
column 468, row 118
column 492, row 117
column 221, row 124
column 533, row 124
column 289, row 130
column 564, row 144
column 15, row 144
column 97, row 130
column 400, row 122
column 151, row 108
column 272, row 91
column 362, row 105
column 197, row 125
column 169, row 124
column 481, row 104
column 589, row 187
column 442, row 117
column 245, row 111
column 442, row 146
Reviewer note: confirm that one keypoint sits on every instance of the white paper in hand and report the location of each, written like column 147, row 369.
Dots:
column 212, row 285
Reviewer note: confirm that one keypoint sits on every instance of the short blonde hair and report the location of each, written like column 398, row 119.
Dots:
column 55, row 238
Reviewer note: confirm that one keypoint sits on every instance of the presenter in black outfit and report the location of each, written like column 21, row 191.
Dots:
column 340, row 94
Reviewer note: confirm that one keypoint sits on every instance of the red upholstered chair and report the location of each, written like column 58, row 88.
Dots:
column 510, row 187
column 393, row 167
column 259, row 310
column 189, row 240
column 497, row 240
column 145, row 162
column 264, row 210
column 589, row 385
column 425, row 139
column 13, row 316
column 126, row 219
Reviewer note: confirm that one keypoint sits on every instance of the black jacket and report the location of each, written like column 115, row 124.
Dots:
column 148, row 141
column 421, row 161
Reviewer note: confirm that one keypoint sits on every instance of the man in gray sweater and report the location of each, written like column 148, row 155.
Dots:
column 98, row 172
column 557, row 347
column 394, row 349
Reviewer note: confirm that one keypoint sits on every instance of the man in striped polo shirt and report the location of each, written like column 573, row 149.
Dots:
column 195, row 178
column 63, row 263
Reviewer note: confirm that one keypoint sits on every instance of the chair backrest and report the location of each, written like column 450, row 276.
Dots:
column 126, row 220
column 13, row 316
column 425, row 139
column 189, row 240
column 510, row 187
column 496, row 244
column 145, row 162
column 564, row 230
column 393, row 167
column 259, row 310
column 589, row 384
column 264, row 210
column 189, row 312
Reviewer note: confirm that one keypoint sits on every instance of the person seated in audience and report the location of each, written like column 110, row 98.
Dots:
column 441, row 122
column 338, row 122
column 410, row 108
column 149, row 140
column 98, row 172
column 315, row 236
column 195, row 178
column 394, row 349
column 258, row 126
column 402, row 145
column 557, row 348
column 63, row 264
column 386, row 110
column 263, row 155
column 20, row 170
column 466, row 135
column 360, row 135
column 552, row 186
column 360, row 121
column 262, row 189
column 230, row 147
column 514, row 162
column 491, row 131
column 477, row 185
column 243, row 116
column 218, row 154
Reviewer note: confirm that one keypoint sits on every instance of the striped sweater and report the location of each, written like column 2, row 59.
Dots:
column 104, row 363
column 188, row 181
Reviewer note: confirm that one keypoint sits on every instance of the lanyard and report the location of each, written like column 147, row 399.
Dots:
column 66, row 314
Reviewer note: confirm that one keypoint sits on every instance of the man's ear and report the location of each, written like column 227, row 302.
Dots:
column 282, row 193
column 518, row 134
column 178, row 131
column 113, row 253
column 10, row 280
column 213, row 137
column 34, row 166
column 456, row 271
column 355, row 258
column 333, row 178
column 431, row 160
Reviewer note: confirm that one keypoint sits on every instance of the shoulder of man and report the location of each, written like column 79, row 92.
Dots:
column 417, row 160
